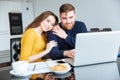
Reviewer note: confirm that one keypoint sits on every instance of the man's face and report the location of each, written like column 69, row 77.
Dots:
column 68, row 19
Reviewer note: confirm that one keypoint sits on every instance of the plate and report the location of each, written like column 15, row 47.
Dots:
column 52, row 64
column 65, row 71
column 62, row 75
column 21, row 75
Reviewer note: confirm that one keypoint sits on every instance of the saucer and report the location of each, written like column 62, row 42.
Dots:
column 21, row 75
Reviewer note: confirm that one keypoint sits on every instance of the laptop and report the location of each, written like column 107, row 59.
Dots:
column 94, row 48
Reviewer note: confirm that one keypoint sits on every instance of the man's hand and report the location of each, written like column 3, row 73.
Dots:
column 59, row 32
column 69, row 53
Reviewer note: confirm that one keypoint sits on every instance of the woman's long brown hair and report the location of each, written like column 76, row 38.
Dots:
column 36, row 22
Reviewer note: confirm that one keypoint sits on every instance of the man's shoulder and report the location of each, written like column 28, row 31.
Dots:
column 79, row 22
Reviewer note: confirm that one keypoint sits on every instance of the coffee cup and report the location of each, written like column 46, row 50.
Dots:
column 20, row 67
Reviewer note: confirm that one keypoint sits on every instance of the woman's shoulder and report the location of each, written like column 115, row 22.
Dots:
column 29, row 32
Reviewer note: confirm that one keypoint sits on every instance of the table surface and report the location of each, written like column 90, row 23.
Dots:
column 106, row 71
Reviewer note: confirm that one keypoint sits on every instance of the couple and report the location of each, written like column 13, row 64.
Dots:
column 44, row 35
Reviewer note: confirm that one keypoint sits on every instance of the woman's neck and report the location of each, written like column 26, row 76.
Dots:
column 38, row 31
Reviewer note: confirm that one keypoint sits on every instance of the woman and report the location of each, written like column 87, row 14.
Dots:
column 33, row 42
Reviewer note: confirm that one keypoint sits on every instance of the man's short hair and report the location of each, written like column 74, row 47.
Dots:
column 66, row 8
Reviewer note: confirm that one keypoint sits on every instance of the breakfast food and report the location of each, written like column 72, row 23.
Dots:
column 59, row 67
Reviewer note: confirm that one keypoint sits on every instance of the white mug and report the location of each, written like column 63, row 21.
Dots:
column 20, row 67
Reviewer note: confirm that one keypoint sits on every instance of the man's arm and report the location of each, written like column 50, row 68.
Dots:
column 55, row 53
column 79, row 27
column 57, row 30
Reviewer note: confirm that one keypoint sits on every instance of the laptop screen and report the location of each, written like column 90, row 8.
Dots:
column 98, row 47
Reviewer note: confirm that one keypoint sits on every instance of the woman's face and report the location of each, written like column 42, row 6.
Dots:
column 48, row 23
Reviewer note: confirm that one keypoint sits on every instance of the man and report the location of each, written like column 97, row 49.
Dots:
column 65, row 33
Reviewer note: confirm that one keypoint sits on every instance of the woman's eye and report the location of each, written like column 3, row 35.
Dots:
column 52, row 24
column 48, row 21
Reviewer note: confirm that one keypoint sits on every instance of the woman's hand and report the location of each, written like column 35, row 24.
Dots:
column 50, row 45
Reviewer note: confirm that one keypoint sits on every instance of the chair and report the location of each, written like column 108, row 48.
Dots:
column 107, row 29
column 94, row 30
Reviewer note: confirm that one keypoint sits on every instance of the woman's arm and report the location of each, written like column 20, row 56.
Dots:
column 49, row 46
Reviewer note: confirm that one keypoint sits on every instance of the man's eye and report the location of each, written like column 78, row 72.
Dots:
column 63, row 18
column 71, row 17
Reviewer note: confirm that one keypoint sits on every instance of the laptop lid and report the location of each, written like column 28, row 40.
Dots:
column 97, row 47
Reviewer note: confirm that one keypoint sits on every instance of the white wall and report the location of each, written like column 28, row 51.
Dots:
column 5, row 8
column 95, row 13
